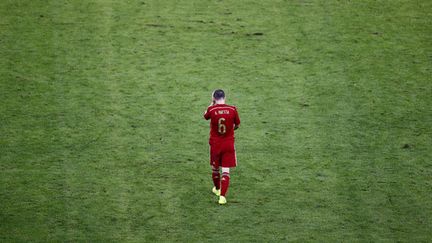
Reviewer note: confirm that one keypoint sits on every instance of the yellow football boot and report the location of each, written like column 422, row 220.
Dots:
column 222, row 200
column 215, row 191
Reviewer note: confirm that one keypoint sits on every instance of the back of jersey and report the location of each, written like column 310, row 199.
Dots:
column 223, row 120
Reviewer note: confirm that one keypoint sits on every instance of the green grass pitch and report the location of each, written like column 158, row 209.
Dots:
column 102, row 137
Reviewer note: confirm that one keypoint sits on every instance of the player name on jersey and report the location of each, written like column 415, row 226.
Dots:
column 221, row 112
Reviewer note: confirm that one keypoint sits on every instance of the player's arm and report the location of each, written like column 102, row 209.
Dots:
column 207, row 113
column 236, row 120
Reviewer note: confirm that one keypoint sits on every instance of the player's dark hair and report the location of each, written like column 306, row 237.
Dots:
column 218, row 94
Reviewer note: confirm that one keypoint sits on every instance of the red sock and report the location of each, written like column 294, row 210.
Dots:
column 216, row 178
column 225, row 183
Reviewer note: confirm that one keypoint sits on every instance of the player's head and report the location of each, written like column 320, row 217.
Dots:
column 218, row 94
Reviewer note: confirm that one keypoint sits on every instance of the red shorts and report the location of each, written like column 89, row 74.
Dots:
column 223, row 154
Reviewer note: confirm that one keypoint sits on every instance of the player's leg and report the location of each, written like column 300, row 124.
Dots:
column 225, row 180
column 224, row 185
column 216, row 180
column 214, row 162
column 229, row 160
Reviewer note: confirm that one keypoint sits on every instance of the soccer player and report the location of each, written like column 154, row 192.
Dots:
column 224, row 119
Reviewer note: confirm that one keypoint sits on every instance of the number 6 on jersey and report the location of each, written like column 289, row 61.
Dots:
column 221, row 126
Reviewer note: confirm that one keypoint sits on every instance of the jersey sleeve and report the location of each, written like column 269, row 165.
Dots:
column 236, row 118
column 207, row 113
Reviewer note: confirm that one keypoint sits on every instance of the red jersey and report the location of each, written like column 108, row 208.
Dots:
column 223, row 120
